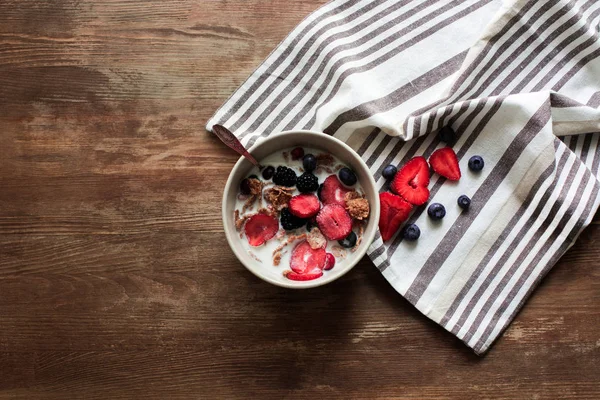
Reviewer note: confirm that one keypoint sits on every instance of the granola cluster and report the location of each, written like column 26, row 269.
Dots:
column 356, row 205
column 278, row 196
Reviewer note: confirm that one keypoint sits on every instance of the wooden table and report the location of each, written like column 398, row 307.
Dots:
column 115, row 278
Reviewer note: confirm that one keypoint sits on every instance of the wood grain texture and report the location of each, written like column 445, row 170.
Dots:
column 114, row 278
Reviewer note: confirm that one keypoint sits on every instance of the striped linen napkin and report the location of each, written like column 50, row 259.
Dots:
column 519, row 81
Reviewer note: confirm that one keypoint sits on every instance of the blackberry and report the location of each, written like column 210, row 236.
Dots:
column 307, row 183
column 290, row 222
column 284, row 176
column 319, row 191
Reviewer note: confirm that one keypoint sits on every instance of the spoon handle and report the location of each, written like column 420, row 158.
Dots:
column 232, row 142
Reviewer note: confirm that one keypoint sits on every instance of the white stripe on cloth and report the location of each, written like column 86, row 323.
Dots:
column 510, row 78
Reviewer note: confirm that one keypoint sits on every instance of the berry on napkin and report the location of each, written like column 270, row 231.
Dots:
column 394, row 211
column 444, row 163
column 412, row 180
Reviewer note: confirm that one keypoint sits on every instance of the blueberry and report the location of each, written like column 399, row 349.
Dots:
column 447, row 135
column 309, row 162
column 253, row 176
column 319, row 191
column 436, row 211
column 389, row 172
column 312, row 223
column 349, row 241
column 347, row 176
column 464, row 202
column 245, row 186
column 268, row 172
column 412, row 232
column 476, row 163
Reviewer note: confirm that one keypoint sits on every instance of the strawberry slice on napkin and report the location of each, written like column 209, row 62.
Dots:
column 412, row 180
column 394, row 211
column 444, row 163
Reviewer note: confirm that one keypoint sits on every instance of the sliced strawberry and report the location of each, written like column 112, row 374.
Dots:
column 444, row 162
column 412, row 180
column 259, row 228
column 302, row 277
column 307, row 260
column 394, row 210
column 333, row 191
column 329, row 261
column 334, row 222
column 304, row 205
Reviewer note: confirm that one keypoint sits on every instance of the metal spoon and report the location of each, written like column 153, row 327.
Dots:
column 232, row 142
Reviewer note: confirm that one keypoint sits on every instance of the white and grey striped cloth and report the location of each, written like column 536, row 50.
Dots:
column 519, row 81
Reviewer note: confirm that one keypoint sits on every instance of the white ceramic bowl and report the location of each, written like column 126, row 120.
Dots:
column 278, row 142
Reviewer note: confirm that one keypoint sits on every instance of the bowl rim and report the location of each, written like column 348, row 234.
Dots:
column 357, row 256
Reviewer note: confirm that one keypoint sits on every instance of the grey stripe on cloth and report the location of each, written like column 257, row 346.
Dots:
column 501, row 239
column 287, row 50
column 495, row 106
column 498, row 174
column 484, row 343
column 526, row 251
column 354, row 70
column 399, row 95
column 468, row 74
column 594, row 101
column 536, row 261
column 560, row 101
column 386, row 75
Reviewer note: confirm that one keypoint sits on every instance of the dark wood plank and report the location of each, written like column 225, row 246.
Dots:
column 114, row 278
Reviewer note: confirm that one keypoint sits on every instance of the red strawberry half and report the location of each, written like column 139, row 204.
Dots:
column 394, row 211
column 306, row 260
column 444, row 162
column 302, row 277
column 333, row 191
column 304, row 205
column 334, row 222
column 412, row 180
column 259, row 228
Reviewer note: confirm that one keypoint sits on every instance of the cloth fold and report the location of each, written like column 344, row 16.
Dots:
column 519, row 81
